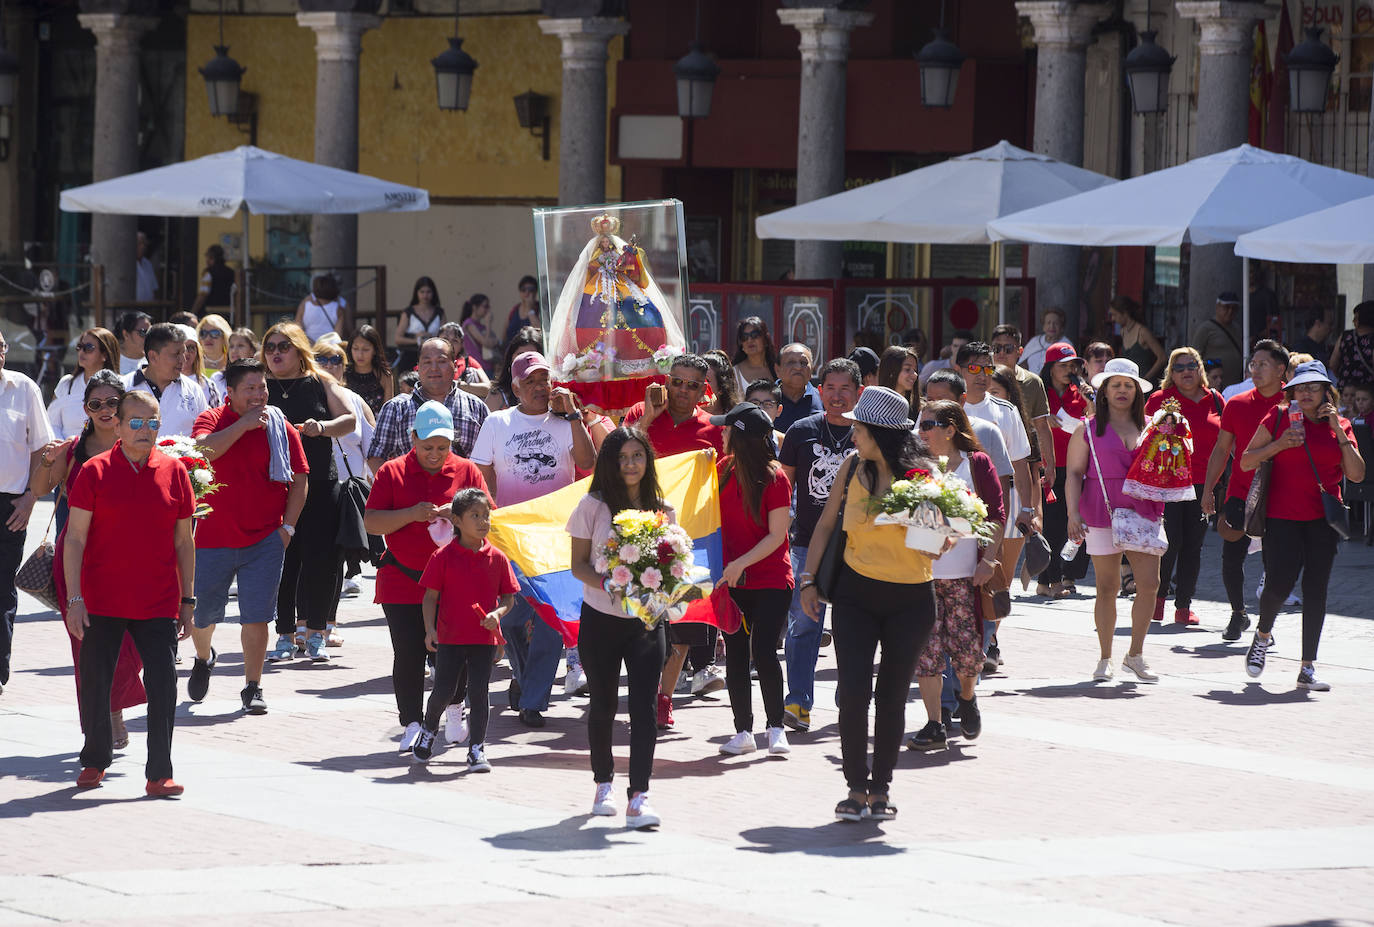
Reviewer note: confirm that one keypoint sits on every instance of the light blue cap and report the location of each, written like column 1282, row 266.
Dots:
column 433, row 418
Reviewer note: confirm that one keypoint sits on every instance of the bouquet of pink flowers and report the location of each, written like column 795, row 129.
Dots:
column 648, row 564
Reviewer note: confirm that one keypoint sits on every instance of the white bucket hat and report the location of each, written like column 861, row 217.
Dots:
column 1121, row 367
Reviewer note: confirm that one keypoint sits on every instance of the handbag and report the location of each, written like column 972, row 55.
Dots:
column 1257, row 500
column 352, row 538
column 35, row 575
column 832, row 558
column 1130, row 529
column 1336, row 512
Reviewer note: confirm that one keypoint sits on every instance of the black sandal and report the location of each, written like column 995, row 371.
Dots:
column 879, row 809
column 851, row 809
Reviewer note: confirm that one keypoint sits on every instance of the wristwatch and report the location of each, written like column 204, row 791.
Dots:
column 289, row 529
column 188, row 600
column 74, row 599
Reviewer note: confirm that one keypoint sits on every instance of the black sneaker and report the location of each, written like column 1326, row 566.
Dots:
column 970, row 718
column 531, row 718
column 946, row 716
column 424, row 746
column 1254, row 658
column 1236, row 626
column 199, row 683
column 253, row 702
column 513, row 696
column 930, row 737
column 477, row 759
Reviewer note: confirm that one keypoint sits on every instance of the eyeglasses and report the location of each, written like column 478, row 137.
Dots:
column 679, row 383
column 211, row 334
column 138, row 424
column 1005, row 348
column 1184, row 366
column 277, row 347
column 976, row 369
column 764, row 403
column 87, row 347
column 141, row 331
column 95, row 405
column 928, row 424
column 329, row 360
column 1310, row 388
column 751, row 334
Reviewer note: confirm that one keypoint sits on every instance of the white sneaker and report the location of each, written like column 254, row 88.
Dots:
column 1293, row 600
column 1104, row 671
column 742, row 742
column 604, row 803
column 456, row 723
column 351, row 587
column 638, row 814
column 574, row 680
column 707, row 679
column 1259, row 590
column 777, row 742
column 412, row 734
column 1136, row 664
column 234, row 589
column 684, row 684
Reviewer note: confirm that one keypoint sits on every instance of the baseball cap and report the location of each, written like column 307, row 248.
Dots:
column 866, row 359
column 1229, row 298
column 1060, row 351
column 745, row 417
column 528, row 363
column 433, row 419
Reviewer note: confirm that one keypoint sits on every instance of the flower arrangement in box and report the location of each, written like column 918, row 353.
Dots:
column 648, row 565
column 933, row 505
column 192, row 457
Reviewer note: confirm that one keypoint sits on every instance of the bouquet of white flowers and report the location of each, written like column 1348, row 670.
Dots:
column 647, row 562
column 934, row 505
column 193, row 458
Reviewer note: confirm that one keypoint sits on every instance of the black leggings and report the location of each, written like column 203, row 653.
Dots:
column 1185, row 528
column 156, row 640
column 1233, row 554
column 407, row 626
column 1056, row 524
column 869, row 612
column 604, row 642
column 309, row 572
column 1291, row 547
column 452, row 665
column 765, row 613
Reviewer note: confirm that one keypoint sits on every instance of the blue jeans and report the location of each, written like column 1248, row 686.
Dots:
column 533, row 654
column 802, row 644
column 949, row 694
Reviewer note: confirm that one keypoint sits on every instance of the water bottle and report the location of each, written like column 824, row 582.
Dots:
column 1295, row 418
column 1070, row 550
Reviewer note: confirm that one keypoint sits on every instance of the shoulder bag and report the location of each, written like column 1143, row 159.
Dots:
column 1257, row 500
column 35, row 576
column 1336, row 512
column 1130, row 529
column 832, row 558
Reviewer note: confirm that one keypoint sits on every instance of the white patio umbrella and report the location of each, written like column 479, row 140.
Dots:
column 1209, row 200
column 247, row 180
column 1341, row 234
column 947, row 203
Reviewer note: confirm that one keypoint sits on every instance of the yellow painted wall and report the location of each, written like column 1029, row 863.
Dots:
column 480, row 154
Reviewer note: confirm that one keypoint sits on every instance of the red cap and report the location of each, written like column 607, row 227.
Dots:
column 1060, row 351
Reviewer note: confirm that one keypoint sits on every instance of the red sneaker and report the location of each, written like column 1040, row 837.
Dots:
column 665, row 711
column 163, row 788
column 1159, row 610
column 1185, row 616
column 89, row 778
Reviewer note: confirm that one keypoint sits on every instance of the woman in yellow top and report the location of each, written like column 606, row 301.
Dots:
column 884, row 596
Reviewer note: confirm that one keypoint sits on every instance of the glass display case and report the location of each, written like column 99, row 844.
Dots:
column 618, row 276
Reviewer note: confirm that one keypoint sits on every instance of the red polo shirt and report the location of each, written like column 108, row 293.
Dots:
column 739, row 532
column 468, row 580
column 401, row 483
column 248, row 506
column 696, row 433
column 130, row 566
column 1204, row 421
column 1240, row 417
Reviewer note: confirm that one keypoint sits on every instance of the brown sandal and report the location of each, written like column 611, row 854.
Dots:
column 120, row 732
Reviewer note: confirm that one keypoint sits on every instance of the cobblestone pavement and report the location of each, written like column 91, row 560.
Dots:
column 1207, row 799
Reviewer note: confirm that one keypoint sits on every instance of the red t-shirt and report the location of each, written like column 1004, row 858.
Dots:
column 1077, row 406
column 1293, row 492
column 696, row 433
column 739, row 532
column 400, row 483
column 466, row 578
column 1204, row 421
column 130, row 566
column 248, row 506
column 1241, row 416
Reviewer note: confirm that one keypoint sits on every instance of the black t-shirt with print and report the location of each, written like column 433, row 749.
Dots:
column 816, row 449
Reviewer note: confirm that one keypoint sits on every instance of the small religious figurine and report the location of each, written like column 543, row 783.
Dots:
column 1163, row 471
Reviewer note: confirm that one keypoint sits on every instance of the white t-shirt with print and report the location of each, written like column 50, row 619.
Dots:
column 532, row 454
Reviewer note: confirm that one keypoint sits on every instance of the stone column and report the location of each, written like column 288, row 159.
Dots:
column 338, row 43
column 1223, row 112
column 582, row 111
column 820, row 126
column 1063, row 31
column 115, row 140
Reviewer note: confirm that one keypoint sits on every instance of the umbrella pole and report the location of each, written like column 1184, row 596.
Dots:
column 1245, row 310
column 1001, row 283
column 247, row 287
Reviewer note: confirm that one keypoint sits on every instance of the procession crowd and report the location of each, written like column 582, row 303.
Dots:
column 321, row 442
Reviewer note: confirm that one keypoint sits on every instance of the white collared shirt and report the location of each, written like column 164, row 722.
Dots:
column 67, row 411
column 24, row 428
column 180, row 403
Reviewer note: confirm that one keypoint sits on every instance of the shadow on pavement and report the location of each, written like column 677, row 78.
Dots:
column 381, row 685
column 1211, row 651
column 59, row 767
column 929, row 759
column 1255, row 694
column 1087, row 688
column 567, row 834
column 836, row 838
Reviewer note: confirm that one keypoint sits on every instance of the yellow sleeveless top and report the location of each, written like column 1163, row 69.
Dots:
column 879, row 551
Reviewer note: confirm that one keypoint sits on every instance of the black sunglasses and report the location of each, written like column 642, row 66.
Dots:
column 329, row 360
column 1183, row 367
column 752, row 333
column 928, row 424
column 277, row 347
column 87, row 346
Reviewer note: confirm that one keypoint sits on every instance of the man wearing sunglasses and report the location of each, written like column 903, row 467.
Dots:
column 672, row 419
column 23, row 435
column 181, row 398
column 1006, row 348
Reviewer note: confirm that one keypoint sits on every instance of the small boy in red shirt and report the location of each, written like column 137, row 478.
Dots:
column 469, row 586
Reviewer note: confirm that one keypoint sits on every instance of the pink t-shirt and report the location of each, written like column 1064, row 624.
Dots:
column 591, row 520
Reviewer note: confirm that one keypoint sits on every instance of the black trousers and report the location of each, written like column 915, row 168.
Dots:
column 605, row 642
column 11, row 556
column 156, row 640
column 898, row 617
column 309, row 573
column 1233, row 555
column 1185, row 527
column 1290, row 548
column 462, row 669
column 765, row 613
column 1056, row 525
column 407, row 626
